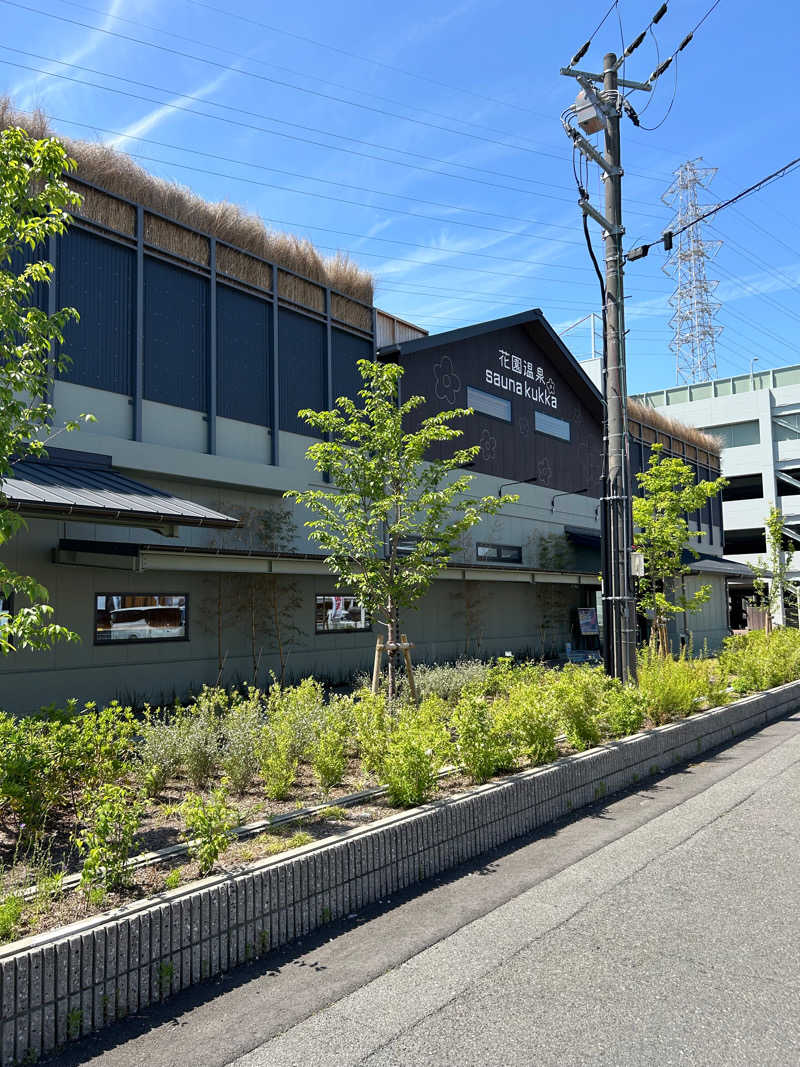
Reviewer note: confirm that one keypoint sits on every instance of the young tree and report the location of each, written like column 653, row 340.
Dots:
column 386, row 494
column 668, row 494
column 34, row 205
column 770, row 595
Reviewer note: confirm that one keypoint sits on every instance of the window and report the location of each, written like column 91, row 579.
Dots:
column 496, row 406
column 744, row 487
column 549, row 424
column 744, row 543
column 140, row 617
column 786, row 488
column 499, row 553
column 786, row 427
column 736, row 434
column 336, row 614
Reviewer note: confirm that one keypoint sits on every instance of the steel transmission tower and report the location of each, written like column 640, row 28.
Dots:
column 694, row 328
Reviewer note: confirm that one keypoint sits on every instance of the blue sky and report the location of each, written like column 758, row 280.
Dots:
column 425, row 140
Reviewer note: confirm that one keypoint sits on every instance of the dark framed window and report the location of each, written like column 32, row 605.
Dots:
column 487, row 553
column 552, row 426
column 338, row 613
column 489, row 404
column 128, row 617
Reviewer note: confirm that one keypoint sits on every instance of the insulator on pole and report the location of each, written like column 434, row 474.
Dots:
column 659, row 14
column 580, row 54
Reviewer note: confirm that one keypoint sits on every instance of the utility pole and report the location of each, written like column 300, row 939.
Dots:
column 601, row 111
column 619, row 526
column 597, row 110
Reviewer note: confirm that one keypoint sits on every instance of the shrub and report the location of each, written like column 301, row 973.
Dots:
column 476, row 738
column 198, row 730
column 372, row 722
column 624, row 710
column 158, row 750
column 111, row 820
column 277, row 756
column 329, row 758
column 419, row 744
column 302, row 708
column 758, row 660
column 670, row 688
column 241, row 730
column 576, row 695
column 209, row 823
column 527, row 725
column 50, row 759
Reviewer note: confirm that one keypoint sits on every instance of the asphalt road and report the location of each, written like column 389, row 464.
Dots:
column 661, row 928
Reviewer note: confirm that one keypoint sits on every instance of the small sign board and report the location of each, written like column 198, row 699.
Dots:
column 587, row 619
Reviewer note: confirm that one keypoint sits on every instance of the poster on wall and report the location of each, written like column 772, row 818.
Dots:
column 587, row 619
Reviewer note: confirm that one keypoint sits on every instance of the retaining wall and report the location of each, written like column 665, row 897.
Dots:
column 60, row 985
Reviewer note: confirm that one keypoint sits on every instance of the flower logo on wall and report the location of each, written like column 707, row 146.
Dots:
column 524, row 426
column 544, row 471
column 488, row 447
column 448, row 383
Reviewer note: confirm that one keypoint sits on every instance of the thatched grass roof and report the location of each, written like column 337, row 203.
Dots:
column 650, row 417
column 115, row 171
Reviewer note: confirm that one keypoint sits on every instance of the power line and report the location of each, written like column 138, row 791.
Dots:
column 353, row 55
column 310, row 177
column 278, row 133
column 274, row 66
column 782, row 172
column 276, row 81
column 284, row 122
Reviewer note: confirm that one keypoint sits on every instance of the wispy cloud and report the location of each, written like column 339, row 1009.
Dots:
column 86, row 48
column 155, row 117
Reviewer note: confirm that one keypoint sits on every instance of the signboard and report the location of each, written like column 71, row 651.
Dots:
column 529, row 383
column 587, row 619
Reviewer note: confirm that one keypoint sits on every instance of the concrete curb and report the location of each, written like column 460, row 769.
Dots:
column 65, row 983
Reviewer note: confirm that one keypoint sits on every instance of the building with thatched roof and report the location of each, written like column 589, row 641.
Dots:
column 160, row 528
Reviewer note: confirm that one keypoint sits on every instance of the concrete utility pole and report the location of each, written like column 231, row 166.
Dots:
column 598, row 111
column 619, row 606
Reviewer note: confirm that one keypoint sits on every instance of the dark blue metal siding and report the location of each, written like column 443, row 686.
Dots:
column 175, row 336
column 98, row 277
column 244, row 356
column 301, row 344
column 347, row 350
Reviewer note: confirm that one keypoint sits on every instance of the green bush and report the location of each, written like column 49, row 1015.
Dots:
column 277, row 756
column 241, row 730
column 158, row 750
column 527, row 725
column 624, row 710
column 576, row 694
column 419, row 745
column 372, row 725
column 333, row 731
column 301, row 707
column 198, row 729
column 209, row 823
column 670, row 688
column 47, row 761
column 757, row 660
column 111, row 820
column 479, row 745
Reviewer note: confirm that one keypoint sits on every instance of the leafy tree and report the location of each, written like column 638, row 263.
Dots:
column 392, row 517
column 668, row 494
column 34, row 205
column 780, row 552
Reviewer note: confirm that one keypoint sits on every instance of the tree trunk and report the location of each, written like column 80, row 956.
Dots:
column 253, row 654
column 220, row 608
column 393, row 637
